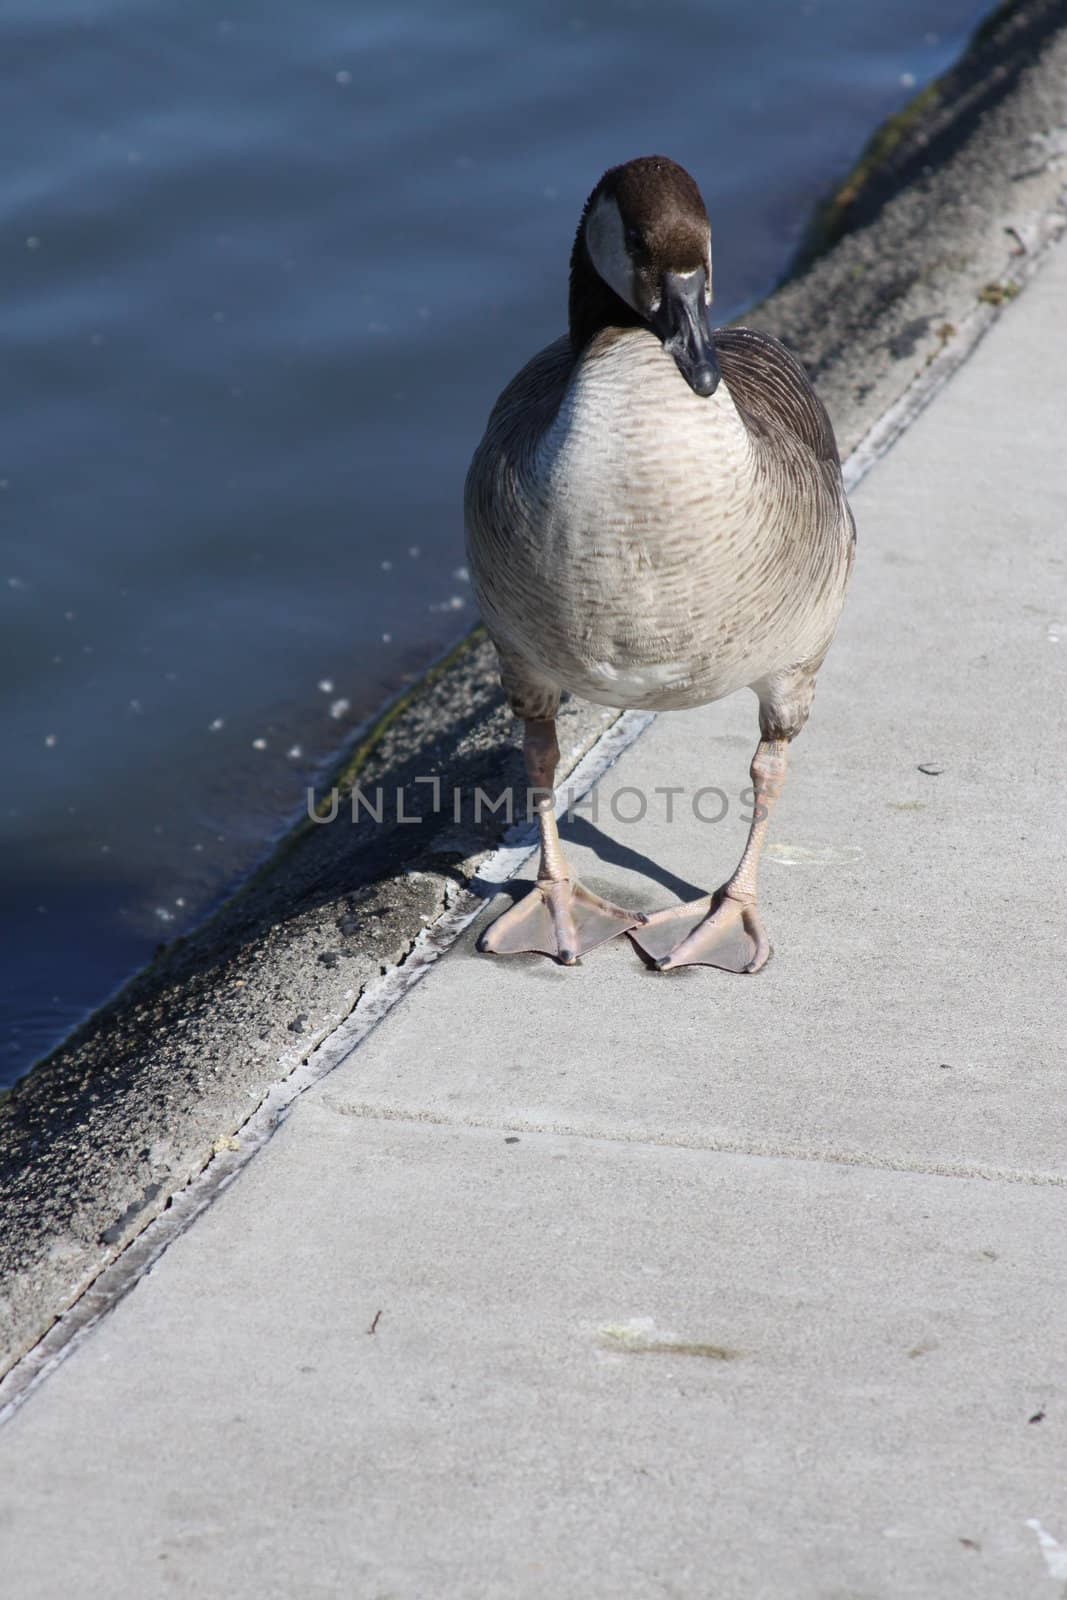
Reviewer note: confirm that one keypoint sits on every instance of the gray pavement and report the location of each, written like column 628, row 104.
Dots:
column 103, row 1138
column 692, row 1285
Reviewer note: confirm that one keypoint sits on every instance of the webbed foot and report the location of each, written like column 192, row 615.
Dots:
column 715, row 931
column 558, row 918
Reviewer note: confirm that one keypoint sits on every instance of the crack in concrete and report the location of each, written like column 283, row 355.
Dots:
column 760, row 1149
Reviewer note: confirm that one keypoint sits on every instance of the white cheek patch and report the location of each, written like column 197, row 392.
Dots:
column 605, row 239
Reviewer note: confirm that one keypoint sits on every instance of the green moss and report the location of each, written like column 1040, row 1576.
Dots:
column 936, row 117
column 349, row 770
column 995, row 294
column 831, row 217
column 634, row 1341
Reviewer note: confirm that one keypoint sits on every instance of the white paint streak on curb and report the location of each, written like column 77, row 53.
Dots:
column 803, row 855
column 1053, row 1551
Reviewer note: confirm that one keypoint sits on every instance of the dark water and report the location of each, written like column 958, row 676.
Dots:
column 263, row 274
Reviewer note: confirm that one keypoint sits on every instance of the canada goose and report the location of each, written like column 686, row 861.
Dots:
column 655, row 518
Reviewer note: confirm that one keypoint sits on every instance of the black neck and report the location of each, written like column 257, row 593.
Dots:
column 594, row 305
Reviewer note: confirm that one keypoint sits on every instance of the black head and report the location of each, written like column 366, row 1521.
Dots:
column 642, row 257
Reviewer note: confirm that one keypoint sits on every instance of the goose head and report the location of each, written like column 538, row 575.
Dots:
column 642, row 258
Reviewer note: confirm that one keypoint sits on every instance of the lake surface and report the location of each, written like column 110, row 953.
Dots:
column 264, row 273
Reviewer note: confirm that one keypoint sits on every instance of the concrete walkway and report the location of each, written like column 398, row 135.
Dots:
column 600, row 1283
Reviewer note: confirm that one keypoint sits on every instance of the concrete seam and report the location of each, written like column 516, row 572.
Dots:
column 692, row 1141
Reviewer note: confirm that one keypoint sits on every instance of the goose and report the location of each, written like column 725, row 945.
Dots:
column 655, row 519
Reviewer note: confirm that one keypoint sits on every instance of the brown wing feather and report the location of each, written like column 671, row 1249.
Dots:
column 772, row 386
column 534, row 394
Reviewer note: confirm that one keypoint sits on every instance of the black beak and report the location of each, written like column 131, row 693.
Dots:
column 683, row 323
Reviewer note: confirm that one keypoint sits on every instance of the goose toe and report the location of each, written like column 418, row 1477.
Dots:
column 715, row 931
column 561, row 919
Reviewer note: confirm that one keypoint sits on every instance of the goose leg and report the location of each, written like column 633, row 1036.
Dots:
column 724, row 929
column 559, row 917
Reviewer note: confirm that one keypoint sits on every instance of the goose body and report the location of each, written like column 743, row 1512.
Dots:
column 655, row 519
column 642, row 547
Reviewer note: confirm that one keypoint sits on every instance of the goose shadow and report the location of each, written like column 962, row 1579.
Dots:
column 612, row 853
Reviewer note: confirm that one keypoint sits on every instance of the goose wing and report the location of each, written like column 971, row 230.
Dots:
column 772, row 386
